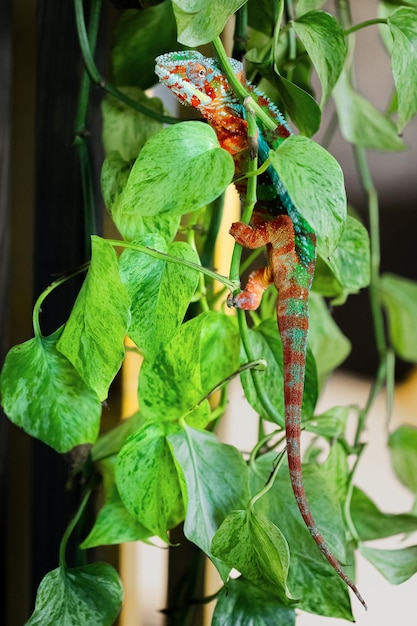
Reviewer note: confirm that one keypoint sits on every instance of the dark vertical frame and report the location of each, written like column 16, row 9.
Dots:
column 59, row 247
column 18, row 35
column 5, row 132
column 42, row 235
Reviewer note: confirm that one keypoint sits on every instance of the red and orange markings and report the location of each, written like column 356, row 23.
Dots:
column 195, row 101
column 209, row 90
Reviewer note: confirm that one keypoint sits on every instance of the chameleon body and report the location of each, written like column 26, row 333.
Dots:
column 290, row 241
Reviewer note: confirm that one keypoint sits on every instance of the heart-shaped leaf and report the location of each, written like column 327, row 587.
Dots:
column 43, row 394
column 91, row 595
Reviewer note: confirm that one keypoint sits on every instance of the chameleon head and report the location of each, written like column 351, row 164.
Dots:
column 194, row 79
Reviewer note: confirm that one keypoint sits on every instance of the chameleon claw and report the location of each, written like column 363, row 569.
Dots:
column 243, row 300
column 231, row 303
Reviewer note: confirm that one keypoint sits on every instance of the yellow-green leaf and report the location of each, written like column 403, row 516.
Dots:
column 43, row 393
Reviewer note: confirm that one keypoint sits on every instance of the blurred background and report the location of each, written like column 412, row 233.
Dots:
column 42, row 235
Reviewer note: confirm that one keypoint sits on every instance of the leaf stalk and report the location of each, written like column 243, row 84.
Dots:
column 98, row 80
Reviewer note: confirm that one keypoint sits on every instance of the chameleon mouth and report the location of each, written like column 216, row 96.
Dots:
column 181, row 87
column 160, row 70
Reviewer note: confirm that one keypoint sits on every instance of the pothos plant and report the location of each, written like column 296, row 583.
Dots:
column 156, row 285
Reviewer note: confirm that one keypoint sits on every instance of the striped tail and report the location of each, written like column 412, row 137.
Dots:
column 293, row 328
column 291, row 268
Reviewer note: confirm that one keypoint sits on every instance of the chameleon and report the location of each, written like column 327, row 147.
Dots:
column 199, row 82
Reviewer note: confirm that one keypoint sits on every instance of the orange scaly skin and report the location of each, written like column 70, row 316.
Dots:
column 276, row 224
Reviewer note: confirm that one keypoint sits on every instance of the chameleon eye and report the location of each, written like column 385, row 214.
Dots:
column 196, row 73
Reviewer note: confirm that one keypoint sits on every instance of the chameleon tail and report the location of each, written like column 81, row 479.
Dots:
column 294, row 340
column 292, row 279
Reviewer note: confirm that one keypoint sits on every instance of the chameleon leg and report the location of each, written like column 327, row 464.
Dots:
column 250, row 298
column 277, row 235
column 278, row 232
column 260, row 279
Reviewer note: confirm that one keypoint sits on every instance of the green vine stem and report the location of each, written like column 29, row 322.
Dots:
column 207, row 252
column 268, row 407
column 376, row 387
column 354, row 29
column 81, row 135
column 237, row 86
column 202, row 291
column 38, row 304
column 390, row 382
column 218, row 412
column 345, row 17
column 97, row 78
column 269, row 483
column 230, row 284
column 374, row 228
column 234, row 273
column 348, row 500
column 250, row 189
column 292, row 43
column 253, row 111
column 258, row 364
column 69, row 529
column 240, row 32
column 376, row 310
column 250, row 259
column 261, row 444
